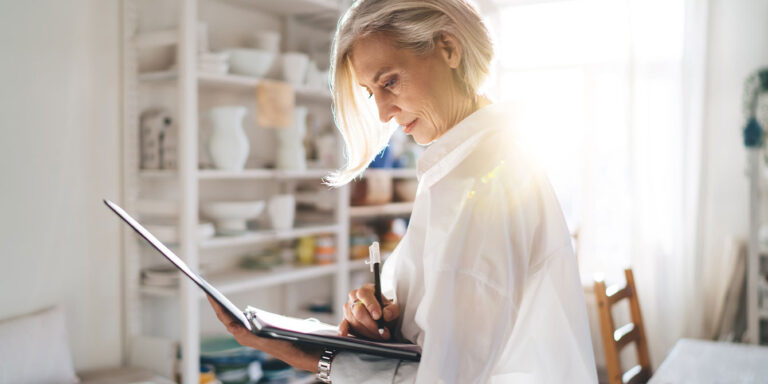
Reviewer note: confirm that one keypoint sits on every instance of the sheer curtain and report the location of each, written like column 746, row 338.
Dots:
column 612, row 94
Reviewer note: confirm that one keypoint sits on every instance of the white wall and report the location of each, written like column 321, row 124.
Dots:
column 59, row 155
column 738, row 45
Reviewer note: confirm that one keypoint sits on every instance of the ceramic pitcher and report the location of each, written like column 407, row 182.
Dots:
column 228, row 145
column 291, row 154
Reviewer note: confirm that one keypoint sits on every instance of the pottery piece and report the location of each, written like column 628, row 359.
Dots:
column 295, row 68
column 231, row 217
column 250, row 62
column 291, row 154
column 228, row 145
column 282, row 211
column 266, row 40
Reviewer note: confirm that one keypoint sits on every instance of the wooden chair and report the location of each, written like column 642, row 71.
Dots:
column 615, row 339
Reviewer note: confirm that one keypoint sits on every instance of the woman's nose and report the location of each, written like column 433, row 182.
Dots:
column 387, row 109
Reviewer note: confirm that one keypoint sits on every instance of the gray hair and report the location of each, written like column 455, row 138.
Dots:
column 413, row 25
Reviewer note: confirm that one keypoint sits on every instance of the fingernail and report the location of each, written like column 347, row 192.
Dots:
column 376, row 314
column 381, row 331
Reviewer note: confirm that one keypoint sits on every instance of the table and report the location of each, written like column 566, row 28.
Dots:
column 702, row 362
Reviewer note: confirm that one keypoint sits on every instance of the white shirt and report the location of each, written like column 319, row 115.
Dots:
column 485, row 275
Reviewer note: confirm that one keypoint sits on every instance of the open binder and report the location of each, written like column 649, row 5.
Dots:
column 266, row 324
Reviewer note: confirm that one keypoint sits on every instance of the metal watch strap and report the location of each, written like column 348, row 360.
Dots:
column 324, row 366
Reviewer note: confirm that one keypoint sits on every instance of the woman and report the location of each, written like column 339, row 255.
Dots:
column 485, row 279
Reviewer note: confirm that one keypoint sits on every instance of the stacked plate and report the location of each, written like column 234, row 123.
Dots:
column 214, row 63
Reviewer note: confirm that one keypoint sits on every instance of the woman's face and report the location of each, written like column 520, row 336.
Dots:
column 418, row 91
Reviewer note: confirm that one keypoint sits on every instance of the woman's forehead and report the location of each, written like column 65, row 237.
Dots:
column 372, row 55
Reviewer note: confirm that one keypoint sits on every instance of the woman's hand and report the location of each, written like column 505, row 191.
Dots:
column 361, row 312
column 301, row 357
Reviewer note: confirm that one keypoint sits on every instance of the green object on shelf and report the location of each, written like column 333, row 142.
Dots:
column 232, row 363
column 264, row 260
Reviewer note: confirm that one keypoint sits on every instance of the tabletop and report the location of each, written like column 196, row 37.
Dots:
column 703, row 362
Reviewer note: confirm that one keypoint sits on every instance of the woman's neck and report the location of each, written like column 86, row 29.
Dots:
column 464, row 108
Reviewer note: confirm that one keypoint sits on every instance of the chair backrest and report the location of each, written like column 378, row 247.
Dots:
column 615, row 339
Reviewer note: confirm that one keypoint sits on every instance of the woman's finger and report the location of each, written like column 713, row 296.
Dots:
column 391, row 311
column 353, row 295
column 363, row 319
column 344, row 328
column 353, row 324
column 222, row 315
column 368, row 298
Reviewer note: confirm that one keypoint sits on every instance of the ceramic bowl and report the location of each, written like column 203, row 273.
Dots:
column 230, row 217
column 250, row 62
column 266, row 40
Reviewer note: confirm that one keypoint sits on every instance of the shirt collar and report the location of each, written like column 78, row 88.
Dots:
column 462, row 133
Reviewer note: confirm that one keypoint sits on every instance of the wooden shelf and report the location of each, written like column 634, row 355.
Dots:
column 233, row 81
column 247, row 174
column 313, row 94
column 357, row 265
column 296, row 18
column 242, row 280
column 360, row 265
column 210, row 174
column 257, row 237
column 290, row 7
column 392, row 209
column 157, row 38
column 396, row 173
column 322, row 14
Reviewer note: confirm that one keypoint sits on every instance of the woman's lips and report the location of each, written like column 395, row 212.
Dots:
column 409, row 126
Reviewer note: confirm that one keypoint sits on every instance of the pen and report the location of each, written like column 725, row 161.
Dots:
column 374, row 259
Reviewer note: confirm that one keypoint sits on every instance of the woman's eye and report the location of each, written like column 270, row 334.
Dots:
column 390, row 82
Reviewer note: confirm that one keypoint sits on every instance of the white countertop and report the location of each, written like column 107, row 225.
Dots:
column 702, row 362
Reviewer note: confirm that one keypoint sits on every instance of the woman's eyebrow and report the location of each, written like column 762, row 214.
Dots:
column 380, row 72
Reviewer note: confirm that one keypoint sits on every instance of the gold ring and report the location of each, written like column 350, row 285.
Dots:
column 356, row 302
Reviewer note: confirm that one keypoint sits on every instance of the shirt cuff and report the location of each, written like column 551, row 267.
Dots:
column 360, row 368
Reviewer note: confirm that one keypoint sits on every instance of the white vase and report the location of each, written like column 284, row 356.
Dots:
column 291, row 154
column 282, row 211
column 228, row 145
column 295, row 68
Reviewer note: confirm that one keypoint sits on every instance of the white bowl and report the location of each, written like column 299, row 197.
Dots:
column 231, row 217
column 250, row 62
column 266, row 40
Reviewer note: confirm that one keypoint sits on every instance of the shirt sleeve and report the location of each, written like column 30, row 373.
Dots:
column 357, row 368
column 478, row 253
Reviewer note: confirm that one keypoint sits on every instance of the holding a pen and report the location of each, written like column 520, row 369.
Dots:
column 368, row 313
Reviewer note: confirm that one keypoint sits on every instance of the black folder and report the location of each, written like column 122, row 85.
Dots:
column 266, row 324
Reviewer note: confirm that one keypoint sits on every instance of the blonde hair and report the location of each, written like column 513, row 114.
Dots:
column 414, row 25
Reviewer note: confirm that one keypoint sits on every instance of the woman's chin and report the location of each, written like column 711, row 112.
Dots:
column 421, row 140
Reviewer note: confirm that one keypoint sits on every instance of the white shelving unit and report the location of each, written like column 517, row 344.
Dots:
column 757, row 315
column 187, row 180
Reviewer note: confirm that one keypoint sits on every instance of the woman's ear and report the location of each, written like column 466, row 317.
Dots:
column 450, row 49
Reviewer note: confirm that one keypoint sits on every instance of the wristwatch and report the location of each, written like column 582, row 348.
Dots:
column 324, row 366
